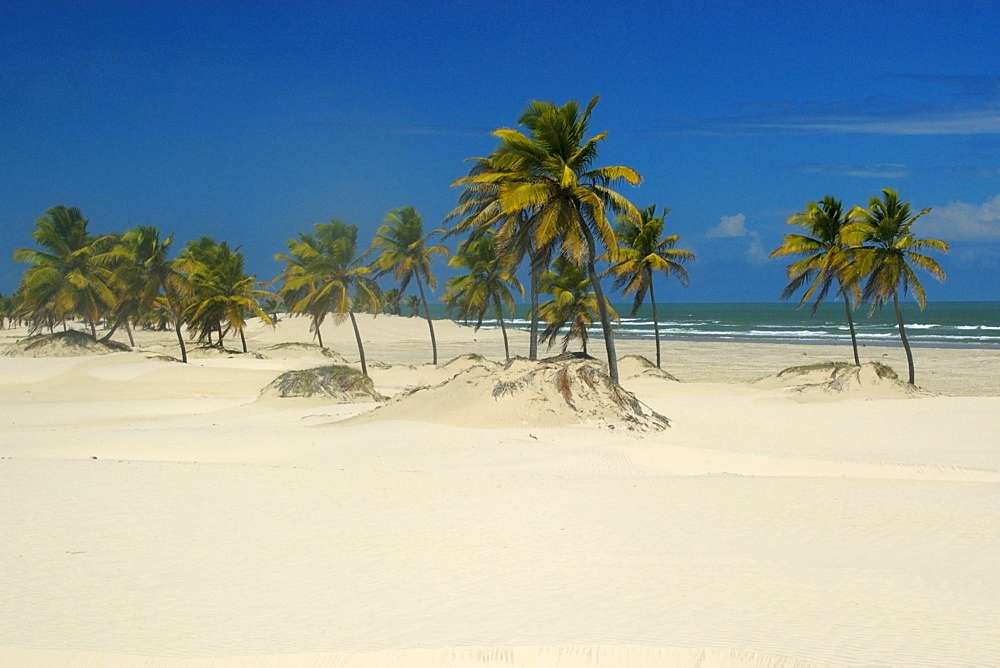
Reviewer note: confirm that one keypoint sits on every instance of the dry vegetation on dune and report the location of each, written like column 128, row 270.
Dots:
column 569, row 390
column 70, row 343
column 831, row 379
column 339, row 383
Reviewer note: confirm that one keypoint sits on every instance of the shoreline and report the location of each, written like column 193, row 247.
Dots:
column 951, row 371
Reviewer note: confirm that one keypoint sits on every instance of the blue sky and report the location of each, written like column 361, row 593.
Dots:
column 251, row 121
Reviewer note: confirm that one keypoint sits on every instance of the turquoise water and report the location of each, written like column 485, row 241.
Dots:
column 941, row 324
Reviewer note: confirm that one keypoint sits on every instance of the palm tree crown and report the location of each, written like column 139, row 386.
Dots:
column 321, row 269
column 573, row 304
column 644, row 251
column 485, row 288
column 223, row 292
column 547, row 175
column 826, row 257
column 886, row 252
column 404, row 253
column 68, row 277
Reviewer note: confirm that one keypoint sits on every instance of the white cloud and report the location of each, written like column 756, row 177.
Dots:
column 963, row 222
column 734, row 227
column 731, row 226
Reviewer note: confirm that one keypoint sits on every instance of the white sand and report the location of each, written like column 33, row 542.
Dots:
column 159, row 514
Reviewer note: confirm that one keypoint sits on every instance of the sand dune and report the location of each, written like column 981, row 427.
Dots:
column 161, row 514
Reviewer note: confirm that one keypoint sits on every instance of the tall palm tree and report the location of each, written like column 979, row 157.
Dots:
column 573, row 304
column 403, row 251
column 67, row 277
column 321, row 268
column 888, row 252
column 826, row 257
column 223, row 292
column 486, row 287
column 643, row 251
column 548, row 175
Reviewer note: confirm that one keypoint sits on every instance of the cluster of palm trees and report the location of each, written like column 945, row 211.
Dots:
column 537, row 200
column 869, row 253
column 540, row 198
column 127, row 279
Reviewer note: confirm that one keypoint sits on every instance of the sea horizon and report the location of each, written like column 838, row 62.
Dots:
column 963, row 324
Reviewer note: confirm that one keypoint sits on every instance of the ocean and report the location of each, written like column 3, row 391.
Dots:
column 941, row 324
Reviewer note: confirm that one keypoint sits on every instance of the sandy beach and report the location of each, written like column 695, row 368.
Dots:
column 161, row 514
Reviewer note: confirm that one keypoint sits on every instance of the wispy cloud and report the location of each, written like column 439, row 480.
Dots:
column 881, row 171
column 960, row 221
column 971, row 107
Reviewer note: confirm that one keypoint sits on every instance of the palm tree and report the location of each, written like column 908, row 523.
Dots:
column 6, row 310
column 390, row 302
column 826, row 258
column 412, row 302
column 159, row 286
column 643, row 251
column 403, row 252
column 479, row 212
column 321, row 269
column 487, row 285
column 574, row 304
column 223, row 292
column 886, row 252
column 548, row 177
column 67, row 277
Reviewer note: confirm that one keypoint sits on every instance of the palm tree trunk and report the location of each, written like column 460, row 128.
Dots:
column 656, row 324
column 93, row 330
column 243, row 340
column 602, row 305
column 180, row 338
column 902, row 335
column 128, row 330
column 503, row 329
column 361, row 348
column 850, row 325
column 111, row 332
column 319, row 335
column 536, row 271
column 427, row 314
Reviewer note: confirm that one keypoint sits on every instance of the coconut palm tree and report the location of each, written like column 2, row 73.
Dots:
column 486, row 287
column 403, row 251
column 67, row 277
column 321, row 269
column 223, row 293
column 160, row 289
column 390, row 304
column 479, row 212
column 886, row 252
column 826, row 257
column 573, row 304
column 643, row 251
column 6, row 310
column 548, row 176
column 413, row 304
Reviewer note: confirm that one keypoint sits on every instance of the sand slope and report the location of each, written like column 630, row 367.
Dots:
column 161, row 514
